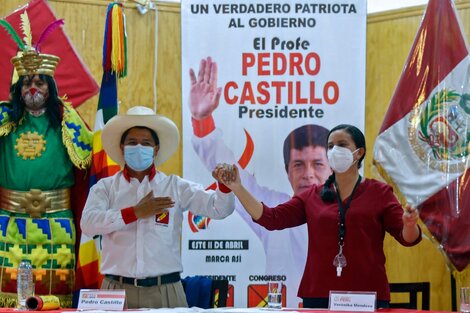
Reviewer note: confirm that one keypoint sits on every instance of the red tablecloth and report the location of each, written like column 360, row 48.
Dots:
column 221, row 310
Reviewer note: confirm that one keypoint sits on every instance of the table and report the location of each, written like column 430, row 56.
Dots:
column 225, row 310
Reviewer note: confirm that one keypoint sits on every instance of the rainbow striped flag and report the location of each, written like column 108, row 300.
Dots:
column 114, row 67
column 87, row 275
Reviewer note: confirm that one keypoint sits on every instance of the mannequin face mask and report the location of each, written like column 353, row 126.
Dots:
column 138, row 157
column 34, row 92
column 34, row 100
column 340, row 158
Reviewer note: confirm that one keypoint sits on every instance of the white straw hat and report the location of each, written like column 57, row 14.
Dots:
column 166, row 130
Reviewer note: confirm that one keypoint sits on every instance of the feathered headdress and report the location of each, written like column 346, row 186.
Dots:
column 30, row 60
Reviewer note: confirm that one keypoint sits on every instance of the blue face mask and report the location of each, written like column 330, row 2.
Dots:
column 138, row 158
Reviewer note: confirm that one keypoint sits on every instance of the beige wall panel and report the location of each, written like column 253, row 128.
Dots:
column 85, row 31
column 169, row 75
column 389, row 39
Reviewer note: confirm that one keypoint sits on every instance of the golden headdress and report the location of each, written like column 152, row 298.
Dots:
column 30, row 60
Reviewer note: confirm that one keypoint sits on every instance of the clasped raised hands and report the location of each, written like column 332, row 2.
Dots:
column 227, row 174
column 151, row 206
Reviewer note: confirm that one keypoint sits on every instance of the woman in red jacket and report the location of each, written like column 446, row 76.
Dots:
column 347, row 219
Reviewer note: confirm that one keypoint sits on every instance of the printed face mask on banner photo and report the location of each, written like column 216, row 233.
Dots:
column 340, row 158
column 138, row 157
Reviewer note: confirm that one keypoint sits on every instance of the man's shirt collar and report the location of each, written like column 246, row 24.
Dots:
column 127, row 175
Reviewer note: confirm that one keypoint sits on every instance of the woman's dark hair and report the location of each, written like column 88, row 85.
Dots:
column 328, row 194
column 54, row 107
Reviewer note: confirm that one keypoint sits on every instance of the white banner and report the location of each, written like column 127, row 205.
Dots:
column 269, row 68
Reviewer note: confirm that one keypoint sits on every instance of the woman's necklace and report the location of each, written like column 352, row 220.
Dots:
column 339, row 260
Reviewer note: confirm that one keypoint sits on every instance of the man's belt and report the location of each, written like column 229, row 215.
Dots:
column 35, row 202
column 147, row 282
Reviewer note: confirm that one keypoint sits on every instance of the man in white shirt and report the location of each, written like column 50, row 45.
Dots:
column 139, row 210
column 305, row 162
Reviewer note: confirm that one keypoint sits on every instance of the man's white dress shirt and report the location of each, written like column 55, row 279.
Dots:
column 146, row 247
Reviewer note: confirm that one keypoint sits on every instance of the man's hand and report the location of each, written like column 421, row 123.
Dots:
column 204, row 95
column 151, row 206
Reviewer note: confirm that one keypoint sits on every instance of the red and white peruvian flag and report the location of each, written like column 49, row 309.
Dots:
column 424, row 143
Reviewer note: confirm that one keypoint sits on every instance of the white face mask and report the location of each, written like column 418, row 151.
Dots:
column 138, row 158
column 340, row 158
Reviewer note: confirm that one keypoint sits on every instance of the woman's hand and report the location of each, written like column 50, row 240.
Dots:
column 410, row 216
column 410, row 219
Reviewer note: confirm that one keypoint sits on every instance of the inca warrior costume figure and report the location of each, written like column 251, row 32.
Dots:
column 42, row 140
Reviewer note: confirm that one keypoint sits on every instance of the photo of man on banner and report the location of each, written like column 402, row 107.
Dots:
column 261, row 89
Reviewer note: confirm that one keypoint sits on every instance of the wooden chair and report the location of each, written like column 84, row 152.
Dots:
column 412, row 289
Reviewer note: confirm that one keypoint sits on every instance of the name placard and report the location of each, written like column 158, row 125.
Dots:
column 352, row 301
column 97, row 299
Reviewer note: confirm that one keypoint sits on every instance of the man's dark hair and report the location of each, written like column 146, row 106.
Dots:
column 304, row 136
column 152, row 132
column 54, row 107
